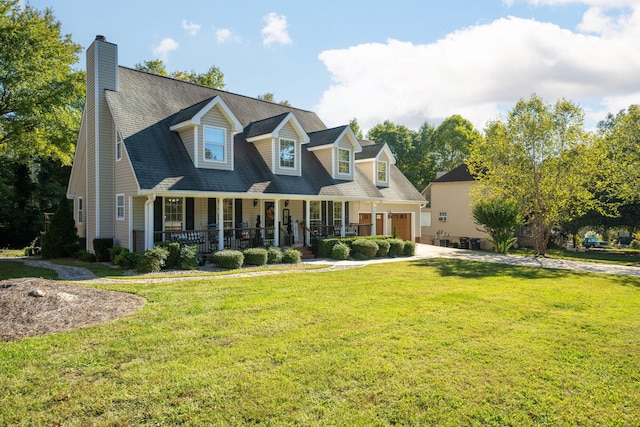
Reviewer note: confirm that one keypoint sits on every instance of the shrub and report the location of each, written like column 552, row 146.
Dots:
column 255, row 256
column 340, row 251
column 173, row 248
column 86, row 256
column 409, row 248
column 383, row 248
column 228, row 259
column 189, row 257
column 274, row 255
column 291, row 256
column 366, row 247
column 153, row 260
column 61, row 239
column 325, row 246
column 102, row 246
column 115, row 251
column 396, row 247
column 127, row 260
column 635, row 244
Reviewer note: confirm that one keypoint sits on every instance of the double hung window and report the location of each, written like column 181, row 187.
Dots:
column 214, row 144
column 287, row 153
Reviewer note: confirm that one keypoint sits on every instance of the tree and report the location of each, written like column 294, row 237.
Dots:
column 61, row 240
column 213, row 77
column 270, row 97
column 500, row 218
column 355, row 127
column 542, row 159
column 449, row 145
column 41, row 96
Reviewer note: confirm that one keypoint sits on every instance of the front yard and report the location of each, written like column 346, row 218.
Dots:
column 431, row 342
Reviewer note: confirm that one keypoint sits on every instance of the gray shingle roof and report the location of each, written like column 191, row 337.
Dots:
column 457, row 174
column 326, row 136
column 146, row 105
column 369, row 150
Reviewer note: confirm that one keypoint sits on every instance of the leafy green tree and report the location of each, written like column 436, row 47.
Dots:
column 355, row 127
column 500, row 219
column 449, row 145
column 41, row 96
column 270, row 97
column 213, row 77
column 541, row 158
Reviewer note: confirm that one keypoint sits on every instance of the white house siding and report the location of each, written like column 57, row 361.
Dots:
column 187, row 136
column 345, row 143
column 326, row 156
column 265, row 148
column 288, row 132
column 368, row 168
column 215, row 118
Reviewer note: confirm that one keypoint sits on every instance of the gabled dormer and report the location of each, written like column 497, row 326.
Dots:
column 279, row 140
column 375, row 161
column 336, row 149
column 207, row 131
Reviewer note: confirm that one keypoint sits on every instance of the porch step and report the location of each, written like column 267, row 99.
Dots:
column 305, row 252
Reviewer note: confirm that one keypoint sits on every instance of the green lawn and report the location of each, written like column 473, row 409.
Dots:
column 15, row 269
column 608, row 256
column 433, row 342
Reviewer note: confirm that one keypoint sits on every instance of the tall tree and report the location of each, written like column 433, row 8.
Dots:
column 541, row 158
column 213, row 77
column 355, row 127
column 449, row 145
column 41, row 95
column 270, row 97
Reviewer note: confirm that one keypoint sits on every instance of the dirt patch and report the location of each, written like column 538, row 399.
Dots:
column 32, row 306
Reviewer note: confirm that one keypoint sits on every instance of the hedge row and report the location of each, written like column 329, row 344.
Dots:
column 231, row 259
column 365, row 247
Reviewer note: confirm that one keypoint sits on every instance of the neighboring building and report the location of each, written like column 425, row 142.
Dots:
column 447, row 215
column 162, row 159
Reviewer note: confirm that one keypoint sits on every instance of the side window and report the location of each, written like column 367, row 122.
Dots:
column 118, row 146
column 120, row 207
column 214, row 144
column 442, row 217
column 80, row 210
column 287, row 153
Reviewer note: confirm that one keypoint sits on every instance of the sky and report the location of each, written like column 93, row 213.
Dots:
column 407, row 61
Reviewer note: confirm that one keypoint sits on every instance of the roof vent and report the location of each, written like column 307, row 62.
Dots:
column 101, row 38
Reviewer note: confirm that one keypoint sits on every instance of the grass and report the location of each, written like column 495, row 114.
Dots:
column 431, row 342
column 608, row 256
column 14, row 269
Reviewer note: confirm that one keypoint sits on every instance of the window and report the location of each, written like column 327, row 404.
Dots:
column 120, row 207
column 173, row 213
column 315, row 214
column 80, row 210
column 227, row 212
column 118, row 146
column 382, row 171
column 287, row 153
column 442, row 217
column 337, row 213
column 214, row 144
column 344, row 161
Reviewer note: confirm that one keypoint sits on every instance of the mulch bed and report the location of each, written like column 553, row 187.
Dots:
column 31, row 306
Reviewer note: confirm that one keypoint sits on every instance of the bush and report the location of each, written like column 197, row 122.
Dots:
column 365, row 247
column 340, row 251
column 228, row 259
column 409, row 248
column 291, row 256
column 396, row 248
column 174, row 258
column 153, row 260
column 102, row 246
column 86, row 256
column 115, row 251
column 61, row 239
column 274, row 255
column 383, row 248
column 127, row 260
column 635, row 244
column 255, row 256
column 189, row 257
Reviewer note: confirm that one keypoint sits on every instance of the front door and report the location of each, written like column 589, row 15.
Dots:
column 365, row 219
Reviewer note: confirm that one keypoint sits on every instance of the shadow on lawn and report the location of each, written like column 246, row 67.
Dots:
column 477, row 269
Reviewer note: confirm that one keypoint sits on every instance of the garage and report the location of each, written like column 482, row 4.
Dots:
column 401, row 225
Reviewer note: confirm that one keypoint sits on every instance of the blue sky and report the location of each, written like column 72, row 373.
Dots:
column 405, row 61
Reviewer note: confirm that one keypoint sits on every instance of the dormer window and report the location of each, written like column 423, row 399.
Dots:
column 344, row 161
column 287, row 153
column 214, row 144
column 382, row 171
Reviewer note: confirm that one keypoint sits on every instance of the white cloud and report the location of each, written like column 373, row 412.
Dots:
column 482, row 70
column 224, row 35
column 276, row 29
column 191, row 28
column 162, row 50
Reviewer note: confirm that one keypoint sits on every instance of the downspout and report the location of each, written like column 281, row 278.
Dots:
column 148, row 221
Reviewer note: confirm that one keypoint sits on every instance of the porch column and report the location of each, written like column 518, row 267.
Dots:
column 307, row 234
column 373, row 219
column 276, row 221
column 148, row 222
column 219, row 202
column 344, row 220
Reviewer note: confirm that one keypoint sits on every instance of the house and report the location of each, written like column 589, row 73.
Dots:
column 447, row 215
column 160, row 159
